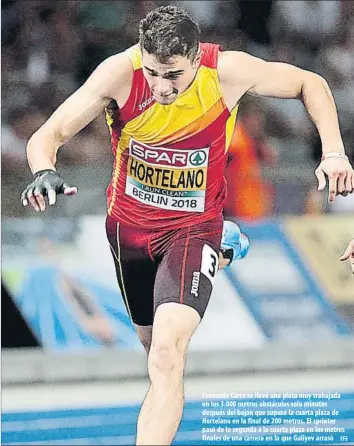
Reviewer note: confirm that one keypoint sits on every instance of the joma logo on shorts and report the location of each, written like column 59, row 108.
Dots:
column 195, row 283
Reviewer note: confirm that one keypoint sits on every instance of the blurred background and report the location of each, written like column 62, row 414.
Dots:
column 280, row 320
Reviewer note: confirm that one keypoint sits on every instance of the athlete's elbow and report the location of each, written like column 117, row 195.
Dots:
column 43, row 141
column 48, row 136
column 311, row 83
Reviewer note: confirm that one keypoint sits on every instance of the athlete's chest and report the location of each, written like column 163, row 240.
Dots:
column 193, row 112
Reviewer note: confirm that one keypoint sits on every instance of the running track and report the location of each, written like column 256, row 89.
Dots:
column 116, row 426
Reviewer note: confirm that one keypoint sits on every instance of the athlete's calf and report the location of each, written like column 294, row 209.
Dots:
column 162, row 409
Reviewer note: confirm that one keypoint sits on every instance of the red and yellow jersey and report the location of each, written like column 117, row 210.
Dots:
column 170, row 159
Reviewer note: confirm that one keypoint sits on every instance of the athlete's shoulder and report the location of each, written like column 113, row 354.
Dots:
column 238, row 67
column 134, row 55
column 112, row 75
column 118, row 65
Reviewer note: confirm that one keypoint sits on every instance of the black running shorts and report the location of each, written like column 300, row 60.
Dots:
column 158, row 266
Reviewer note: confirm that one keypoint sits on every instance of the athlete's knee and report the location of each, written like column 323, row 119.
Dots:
column 165, row 358
column 173, row 327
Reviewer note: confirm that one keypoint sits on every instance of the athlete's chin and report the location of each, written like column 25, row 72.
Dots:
column 166, row 100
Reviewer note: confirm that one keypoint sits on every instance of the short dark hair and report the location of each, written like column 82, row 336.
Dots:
column 169, row 31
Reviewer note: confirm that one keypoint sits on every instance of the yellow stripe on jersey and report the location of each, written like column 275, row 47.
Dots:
column 230, row 127
column 159, row 122
column 134, row 55
column 117, row 168
column 109, row 120
column 195, row 126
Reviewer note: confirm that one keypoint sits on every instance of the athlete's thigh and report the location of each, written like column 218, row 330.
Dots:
column 187, row 271
column 135, row 270
column 145, row 335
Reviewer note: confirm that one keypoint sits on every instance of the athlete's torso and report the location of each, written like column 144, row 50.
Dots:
column 169, row 160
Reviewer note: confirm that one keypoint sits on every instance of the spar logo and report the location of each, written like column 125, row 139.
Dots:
column 162, row 156
column 198, row 158
column 158, row 155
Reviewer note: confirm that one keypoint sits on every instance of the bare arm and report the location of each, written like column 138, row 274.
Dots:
column 77, row 111
column 241, row 73
column 257, row 77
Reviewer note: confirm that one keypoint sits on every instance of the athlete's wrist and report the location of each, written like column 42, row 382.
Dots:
column 40, row 172
column 333, row 147
column 334, row 155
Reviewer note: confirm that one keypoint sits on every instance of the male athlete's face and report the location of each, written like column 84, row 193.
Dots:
column 168, row 80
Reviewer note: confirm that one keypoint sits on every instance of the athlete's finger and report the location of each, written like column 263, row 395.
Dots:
column 38, row 193
column 348, row 252
column 321, row 179
column 41, row 202
column 222, row 261
column 24, row 200
column 352, row 264
column 69, row 190
column 348, row 184
column 341, row 182
column 333, row 177
column 52, row 196
column 32, row 200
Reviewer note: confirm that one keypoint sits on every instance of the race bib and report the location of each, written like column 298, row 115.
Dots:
column 167, row 178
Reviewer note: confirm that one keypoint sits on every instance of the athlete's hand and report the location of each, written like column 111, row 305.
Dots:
column 234, row 244
column 340, row 175
column 46, row 183
column 223, row 262
column 349, row 255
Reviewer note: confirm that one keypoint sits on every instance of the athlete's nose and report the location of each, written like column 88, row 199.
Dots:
column 163, row 87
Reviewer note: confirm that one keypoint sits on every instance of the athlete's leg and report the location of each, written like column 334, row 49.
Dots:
column 234, row 245
column 136, row 273
column 145, row 335
column 162, row 410
column 183, row 287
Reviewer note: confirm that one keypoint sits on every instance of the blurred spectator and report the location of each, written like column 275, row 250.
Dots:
column 66, row 36
column 250, row 196
column 206, row 12
column 253, row 20
column 21, row 124
column 18, row 127
column 90, row 146
column 310, row 22
column 37, row 39
column 338, row 61
column 107, row 27
column 10, row 22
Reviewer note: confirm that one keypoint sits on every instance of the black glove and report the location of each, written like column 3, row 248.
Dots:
column 46, row 183
column 228, row 254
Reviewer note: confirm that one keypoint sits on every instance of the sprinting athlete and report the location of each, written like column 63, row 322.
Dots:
column 349, row 255
column 171, row 104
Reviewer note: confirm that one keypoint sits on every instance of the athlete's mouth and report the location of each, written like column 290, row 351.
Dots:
column 173, row 92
